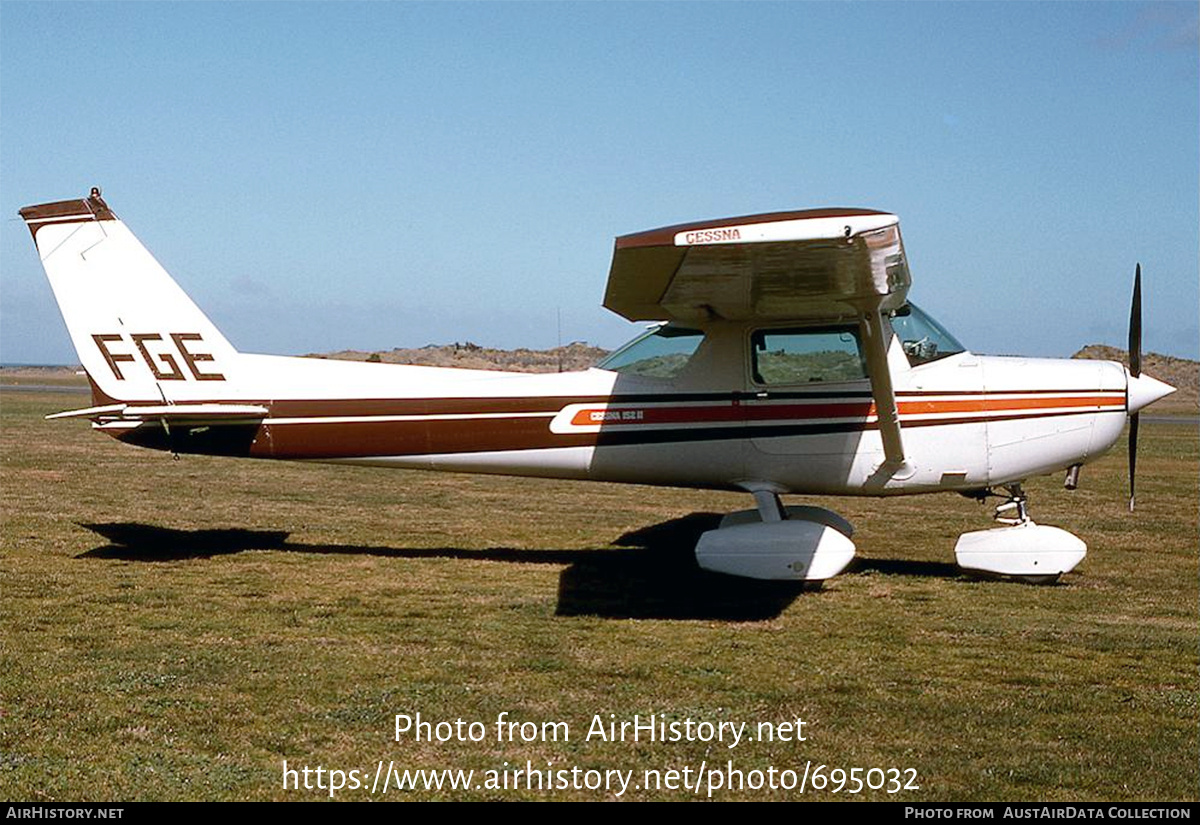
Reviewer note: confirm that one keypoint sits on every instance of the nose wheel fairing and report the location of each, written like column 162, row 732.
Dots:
column 1021, row 549
column 1035, row 552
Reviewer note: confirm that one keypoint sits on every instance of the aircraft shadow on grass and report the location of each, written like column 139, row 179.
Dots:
column 652, row 575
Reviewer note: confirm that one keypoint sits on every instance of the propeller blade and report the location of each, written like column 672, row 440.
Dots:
column 1133, row 435
column 1135, row 326
column 1135, row 370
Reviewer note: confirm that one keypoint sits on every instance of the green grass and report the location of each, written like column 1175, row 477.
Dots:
column 189, row 662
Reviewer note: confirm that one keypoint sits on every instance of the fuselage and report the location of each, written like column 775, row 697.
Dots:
column 968, row 422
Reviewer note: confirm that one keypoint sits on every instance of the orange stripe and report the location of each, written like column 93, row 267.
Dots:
column 1005, row 404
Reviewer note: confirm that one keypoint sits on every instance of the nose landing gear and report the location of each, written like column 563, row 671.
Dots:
column 1034, row 553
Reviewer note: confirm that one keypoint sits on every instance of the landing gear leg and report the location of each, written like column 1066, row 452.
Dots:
column 770, row 508
column 1014, row 511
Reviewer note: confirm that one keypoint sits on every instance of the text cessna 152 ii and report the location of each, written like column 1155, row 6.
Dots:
column 789, row 361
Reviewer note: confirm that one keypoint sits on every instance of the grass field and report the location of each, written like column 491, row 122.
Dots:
column 218, row 617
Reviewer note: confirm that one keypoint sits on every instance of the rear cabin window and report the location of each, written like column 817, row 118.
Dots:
column 662, row 352
column 806, row 356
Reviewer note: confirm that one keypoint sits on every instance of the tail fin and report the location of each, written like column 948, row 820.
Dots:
column 137, row 334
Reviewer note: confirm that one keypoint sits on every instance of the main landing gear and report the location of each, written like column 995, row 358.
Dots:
column 779, row 543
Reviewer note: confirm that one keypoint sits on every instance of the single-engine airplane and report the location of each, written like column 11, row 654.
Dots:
column 786, row 359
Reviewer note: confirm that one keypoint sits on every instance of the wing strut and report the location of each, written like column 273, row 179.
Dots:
column 876, row 346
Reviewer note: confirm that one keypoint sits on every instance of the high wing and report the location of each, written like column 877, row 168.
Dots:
column 814, row 264
column 806, row 266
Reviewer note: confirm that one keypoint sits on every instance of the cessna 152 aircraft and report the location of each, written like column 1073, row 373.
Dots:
column 788, row 360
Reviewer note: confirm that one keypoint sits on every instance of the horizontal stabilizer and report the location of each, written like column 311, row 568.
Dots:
column 170, row 412
column 89, row 412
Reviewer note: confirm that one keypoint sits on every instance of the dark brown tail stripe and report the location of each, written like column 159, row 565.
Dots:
column 73, row 211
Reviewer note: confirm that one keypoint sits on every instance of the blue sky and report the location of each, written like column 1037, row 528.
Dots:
column 324, row 176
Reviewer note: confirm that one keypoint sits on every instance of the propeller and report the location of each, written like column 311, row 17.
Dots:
column 1135, row 370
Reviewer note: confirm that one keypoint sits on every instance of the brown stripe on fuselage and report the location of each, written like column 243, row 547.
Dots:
column 363, row 439
column 327, row 435
column 368, row 438
column 422, row 406
column 335, row 439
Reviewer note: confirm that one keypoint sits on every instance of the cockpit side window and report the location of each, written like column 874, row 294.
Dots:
column 923, row 338
column 807, row 355
column 662, row 352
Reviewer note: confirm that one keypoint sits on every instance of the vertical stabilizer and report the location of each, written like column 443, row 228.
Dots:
column 137, row 334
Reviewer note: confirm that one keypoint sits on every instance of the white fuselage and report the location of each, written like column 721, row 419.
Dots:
column 968, row 422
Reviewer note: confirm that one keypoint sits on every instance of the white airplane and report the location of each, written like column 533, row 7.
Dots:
column 787, row 360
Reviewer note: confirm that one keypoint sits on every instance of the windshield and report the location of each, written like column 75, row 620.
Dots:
column 923, row 338
column 661, row 352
